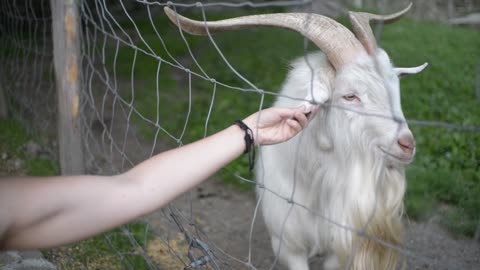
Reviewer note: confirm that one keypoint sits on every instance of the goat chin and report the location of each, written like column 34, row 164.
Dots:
column 346, row 205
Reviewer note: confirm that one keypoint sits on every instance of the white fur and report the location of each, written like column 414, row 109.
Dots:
column 337, row 167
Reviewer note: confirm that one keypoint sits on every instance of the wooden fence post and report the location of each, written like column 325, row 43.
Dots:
column 66, row 54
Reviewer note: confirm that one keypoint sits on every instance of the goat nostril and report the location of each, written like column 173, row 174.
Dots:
column 407, row 144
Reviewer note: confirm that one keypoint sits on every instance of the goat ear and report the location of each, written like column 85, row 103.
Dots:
column 402, row 72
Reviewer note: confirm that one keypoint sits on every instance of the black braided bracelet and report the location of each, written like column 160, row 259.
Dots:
column 249, row 143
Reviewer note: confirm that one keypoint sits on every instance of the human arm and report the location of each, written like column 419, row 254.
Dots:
column 47, row 212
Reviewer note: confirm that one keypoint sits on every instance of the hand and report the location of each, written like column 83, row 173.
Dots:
column 277, row 125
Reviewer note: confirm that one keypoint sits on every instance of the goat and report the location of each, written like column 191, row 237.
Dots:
column 345, row 172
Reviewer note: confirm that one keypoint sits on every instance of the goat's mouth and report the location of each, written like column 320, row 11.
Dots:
column 402, row 158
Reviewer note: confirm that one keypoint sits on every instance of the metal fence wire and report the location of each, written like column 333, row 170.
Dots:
column 146, row 86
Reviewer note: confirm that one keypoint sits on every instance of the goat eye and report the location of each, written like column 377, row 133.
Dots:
column 351, row 97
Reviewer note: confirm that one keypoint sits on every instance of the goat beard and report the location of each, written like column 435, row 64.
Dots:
column 376, row 216
column 372, row 250
column 373, row 254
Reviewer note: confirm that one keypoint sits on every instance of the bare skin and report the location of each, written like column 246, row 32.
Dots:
column 51, row 211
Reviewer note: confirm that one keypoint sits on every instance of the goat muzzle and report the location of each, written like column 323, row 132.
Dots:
column 406, row 143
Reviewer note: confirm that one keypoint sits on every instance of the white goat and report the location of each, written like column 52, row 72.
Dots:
column 345, row 172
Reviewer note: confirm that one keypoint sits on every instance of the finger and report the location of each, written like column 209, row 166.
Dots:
column 286, row 113
column 314, row 109
column 302, row 119
column 304, row 107
column 295, row 125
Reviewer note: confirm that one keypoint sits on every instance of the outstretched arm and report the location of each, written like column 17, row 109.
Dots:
column 47, row 212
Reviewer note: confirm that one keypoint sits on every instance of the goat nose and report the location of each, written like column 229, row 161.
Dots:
column 407, row 143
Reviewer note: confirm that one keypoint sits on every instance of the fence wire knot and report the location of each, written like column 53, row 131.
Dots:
column 195, row 244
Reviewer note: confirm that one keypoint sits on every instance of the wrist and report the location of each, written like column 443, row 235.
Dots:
column 249, row 141
column 251, row 123
column 248, row 135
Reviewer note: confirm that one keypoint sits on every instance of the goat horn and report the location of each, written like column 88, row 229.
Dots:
column 401, row 72
column 361, row 26
column 335, row 40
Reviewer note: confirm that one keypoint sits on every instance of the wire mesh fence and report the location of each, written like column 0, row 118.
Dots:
column 147, row 86
column 27, row 68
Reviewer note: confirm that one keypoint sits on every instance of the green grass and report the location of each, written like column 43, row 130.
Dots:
column 445, row 177
column 12, row 139
column 452, row 194
column 444, row 180
column 101, row 252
